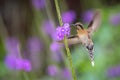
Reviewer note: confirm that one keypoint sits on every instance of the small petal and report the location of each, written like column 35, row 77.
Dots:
column 34, row 45
column 48, row 27
column 62, row 31
column 87, row 16
column 13, row 63
column 19, row 64
column 11, row 45
column 113, row 71
column 52, row 70
column 54, row 47
column 26, row 65
column 68, row 17
column 38, row 4
column 115, row 19
column 10, row 62
column 67, row 74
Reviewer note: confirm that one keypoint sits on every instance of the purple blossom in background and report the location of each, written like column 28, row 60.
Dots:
column 87, row 16
column 54, row 47
column 56, row 52
column 56, row 57
column 49, row 28
column 68, row 17
column 62, row 31
column 11, row 45
column 38, row 4
column 114, row 71
column 10, row 62
column 115, row 19
column 66, row 74
column 26, row 65
column 14, row 63
column 12, row 59
column 52, row 70
column 34, row 45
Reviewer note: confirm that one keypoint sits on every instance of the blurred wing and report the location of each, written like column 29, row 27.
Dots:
column 95, row 23
column 74, row 39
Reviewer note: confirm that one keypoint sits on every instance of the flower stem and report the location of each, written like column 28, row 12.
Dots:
column 69, row 58
column 25, row 75
column 58, row 13
column 65, row 40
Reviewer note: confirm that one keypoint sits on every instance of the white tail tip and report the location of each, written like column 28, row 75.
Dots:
column 92, row 63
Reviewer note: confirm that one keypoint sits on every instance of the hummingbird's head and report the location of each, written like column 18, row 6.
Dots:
column 78, row 26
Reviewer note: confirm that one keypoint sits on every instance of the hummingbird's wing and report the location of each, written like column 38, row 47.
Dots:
column 73, row 39
column 95, row 22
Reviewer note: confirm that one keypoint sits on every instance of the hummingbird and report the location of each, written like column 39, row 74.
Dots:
column 84, row 35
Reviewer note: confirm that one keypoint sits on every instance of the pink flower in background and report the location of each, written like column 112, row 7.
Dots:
column 115, row 19
column 52, row 70
column 49, row 28
column 113, row 71
column 34, row 45
column 13, row 60
column 10, row 62
column 11, row 46
column 38, row 4
column 26, row 65
column 54, row 47
column 66, row 74
column 87, row 16
column 14, row 63
column 68, row 16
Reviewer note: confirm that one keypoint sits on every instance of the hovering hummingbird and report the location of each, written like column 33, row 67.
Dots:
column 83, row 35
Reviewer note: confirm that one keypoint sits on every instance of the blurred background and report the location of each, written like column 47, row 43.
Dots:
column 28, row 50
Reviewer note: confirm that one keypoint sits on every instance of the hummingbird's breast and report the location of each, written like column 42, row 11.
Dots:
column 83, row 36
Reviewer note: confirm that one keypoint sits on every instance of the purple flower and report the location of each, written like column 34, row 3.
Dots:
column 52, row 70
column 68, row 17
column 62, row 31
column 66, row 74
column 56, row 53
column 12, row 59
column 87, row 16
column 113, row 71
column 49, row 28
column 34, row 45
column 10, row 62
column 115, row 19
column 14, row 63
column 54, row 47
column 12, row 45
column 26, row 65
column 38, row 4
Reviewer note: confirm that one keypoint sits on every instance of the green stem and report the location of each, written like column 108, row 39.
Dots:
column 25, row 76
column 65, row 40
column 69, row 58
column 58, row 13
